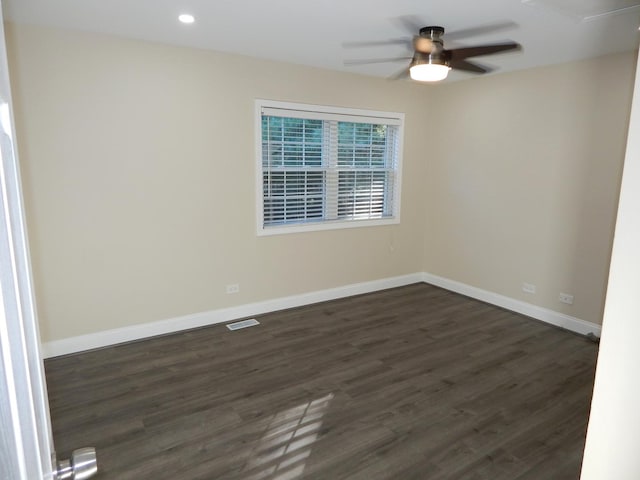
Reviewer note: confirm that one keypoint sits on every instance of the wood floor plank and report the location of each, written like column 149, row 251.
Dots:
column 408, row 383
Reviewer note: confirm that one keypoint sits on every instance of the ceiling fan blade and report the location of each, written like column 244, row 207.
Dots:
column 378, row 43
column 467, row 52
column 469, row 66
column 409, row 23
column 371, row 61
column 481, row 30
column 404, row 73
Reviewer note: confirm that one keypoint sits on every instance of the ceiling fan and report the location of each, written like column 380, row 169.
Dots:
column 431, row 62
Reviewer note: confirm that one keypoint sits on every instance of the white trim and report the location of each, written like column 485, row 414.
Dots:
column 25, row 425
column 213, row 317
column 327, row 225
column 273, row 106
column 546, row 315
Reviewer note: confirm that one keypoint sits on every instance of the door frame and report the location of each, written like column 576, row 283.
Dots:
column 26, row 441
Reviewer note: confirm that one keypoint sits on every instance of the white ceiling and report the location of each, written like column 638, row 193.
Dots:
column 312, row 32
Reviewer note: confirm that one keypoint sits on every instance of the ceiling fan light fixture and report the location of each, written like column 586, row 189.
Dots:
column 428, row 72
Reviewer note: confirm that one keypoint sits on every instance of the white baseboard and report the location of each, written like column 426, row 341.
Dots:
column 539, row 313
column 137, row 332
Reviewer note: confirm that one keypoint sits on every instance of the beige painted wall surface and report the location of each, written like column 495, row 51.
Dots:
column 523, row 181
column 138, row 170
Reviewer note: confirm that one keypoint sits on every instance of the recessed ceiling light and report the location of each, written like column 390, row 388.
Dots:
column 186, row 18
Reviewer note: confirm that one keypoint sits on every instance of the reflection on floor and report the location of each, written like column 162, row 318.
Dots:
column 283, row 449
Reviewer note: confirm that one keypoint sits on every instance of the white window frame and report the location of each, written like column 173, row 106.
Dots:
column 299, row 110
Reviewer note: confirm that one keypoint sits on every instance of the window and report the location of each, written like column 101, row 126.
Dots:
column 326, row 167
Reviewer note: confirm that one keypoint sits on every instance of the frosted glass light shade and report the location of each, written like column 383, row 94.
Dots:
column 186, row 18
column 428, row 72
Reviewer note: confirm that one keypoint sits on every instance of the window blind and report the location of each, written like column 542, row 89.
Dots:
column 319, row 167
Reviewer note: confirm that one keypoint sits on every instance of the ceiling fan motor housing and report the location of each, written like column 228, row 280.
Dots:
column 433, row 32
column 436, row 53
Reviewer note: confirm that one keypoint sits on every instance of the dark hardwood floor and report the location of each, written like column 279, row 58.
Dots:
column 408, row 383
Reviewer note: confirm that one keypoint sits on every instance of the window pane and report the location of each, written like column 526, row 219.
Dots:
column 292, row 195
column 362, row 145
column 362, row 194
column 291, row 142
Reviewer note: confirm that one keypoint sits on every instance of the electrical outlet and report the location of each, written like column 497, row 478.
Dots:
column 233, row 288
column 528, row 288
column 566, row 298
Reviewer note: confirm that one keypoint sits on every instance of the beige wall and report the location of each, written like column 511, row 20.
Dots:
column 523, row 181
column 139, row 176
column 138, row 170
